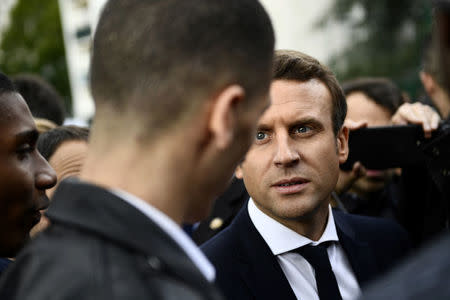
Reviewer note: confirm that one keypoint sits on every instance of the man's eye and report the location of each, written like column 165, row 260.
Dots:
column 260, row 135
column 303, row 129
column 24, row 151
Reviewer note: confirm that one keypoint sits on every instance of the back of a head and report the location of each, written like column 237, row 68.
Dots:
column 50, row 140
column 157, row 60
column 42, row 99
column 382, row 91
column 294, row 65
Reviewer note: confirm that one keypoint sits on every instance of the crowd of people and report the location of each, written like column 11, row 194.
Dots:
column 213, row 169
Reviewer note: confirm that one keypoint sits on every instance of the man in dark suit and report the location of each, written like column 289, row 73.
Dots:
column 287, row 242
column 178, row 87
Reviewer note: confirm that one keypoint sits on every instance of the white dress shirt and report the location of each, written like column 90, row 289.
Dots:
column 300, row 274
column 173, row 230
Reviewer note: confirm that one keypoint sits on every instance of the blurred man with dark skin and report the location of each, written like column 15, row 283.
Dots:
column 24, row 173
column 178, row 87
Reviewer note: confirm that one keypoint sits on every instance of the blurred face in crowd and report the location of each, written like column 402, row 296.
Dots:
column 67, row 161
column 24, row 174
column 293, row 165
column 362, row 108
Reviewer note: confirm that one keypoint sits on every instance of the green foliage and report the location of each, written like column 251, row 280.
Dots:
column 386, row 39
column 33, row 43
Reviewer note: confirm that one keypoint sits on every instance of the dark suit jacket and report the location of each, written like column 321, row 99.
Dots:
column 100, row 247
column 247, row 269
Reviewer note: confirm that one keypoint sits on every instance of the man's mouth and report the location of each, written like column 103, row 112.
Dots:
column 291, row 185
column 36, row 218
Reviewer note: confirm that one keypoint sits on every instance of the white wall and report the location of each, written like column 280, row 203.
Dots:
column 294, row 20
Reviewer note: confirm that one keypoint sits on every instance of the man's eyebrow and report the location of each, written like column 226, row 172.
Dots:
column 263, row 127
column 303, row 121
column 31, row 135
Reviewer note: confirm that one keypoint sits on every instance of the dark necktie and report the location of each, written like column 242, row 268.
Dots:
column 317, row 257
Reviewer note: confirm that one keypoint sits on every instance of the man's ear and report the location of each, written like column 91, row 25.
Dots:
column 342, row 144
column 238, row 172
column 222, row 123
column 427, row 82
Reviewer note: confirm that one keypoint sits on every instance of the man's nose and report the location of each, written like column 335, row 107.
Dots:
column 45, row 175
column 286, row 154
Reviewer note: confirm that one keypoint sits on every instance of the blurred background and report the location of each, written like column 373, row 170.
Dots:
column 52, row 38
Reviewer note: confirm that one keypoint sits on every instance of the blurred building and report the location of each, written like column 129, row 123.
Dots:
column 76, row 21
column 5, row 7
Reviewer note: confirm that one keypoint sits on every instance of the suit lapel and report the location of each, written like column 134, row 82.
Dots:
column 259, row 268
column 358, row 253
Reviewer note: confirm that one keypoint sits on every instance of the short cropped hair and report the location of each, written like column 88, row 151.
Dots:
column 159, row 58
column 6, row 85
column 50, row 140
column 294, row 65
column 382, row 91
column 42, row 99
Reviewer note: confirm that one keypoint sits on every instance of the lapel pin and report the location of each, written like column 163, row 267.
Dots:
column 216, row 223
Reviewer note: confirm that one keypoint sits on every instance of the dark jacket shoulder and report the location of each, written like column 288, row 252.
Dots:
column 101, row 247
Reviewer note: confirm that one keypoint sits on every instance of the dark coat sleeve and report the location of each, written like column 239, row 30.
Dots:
column 424, row 276
column 63, row 279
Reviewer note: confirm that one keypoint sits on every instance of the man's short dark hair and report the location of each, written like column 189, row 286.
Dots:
column 159, row 58
column 42, row 99
column 6, row 85
column 382, row 91
column 294, row 65
column 50, row 140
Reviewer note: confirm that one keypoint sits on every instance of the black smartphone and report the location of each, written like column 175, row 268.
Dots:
column 385, row 147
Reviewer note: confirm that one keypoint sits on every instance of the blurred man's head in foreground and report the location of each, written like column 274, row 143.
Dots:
column 191, row 77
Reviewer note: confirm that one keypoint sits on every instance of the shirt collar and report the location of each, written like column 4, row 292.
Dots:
column 173, row 230
column 280, row 238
